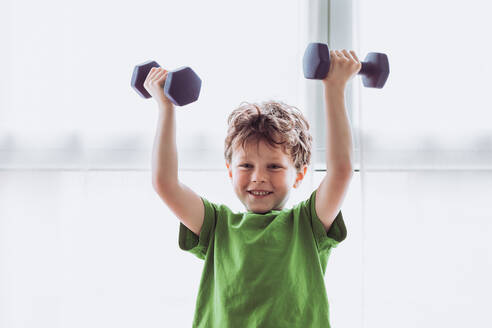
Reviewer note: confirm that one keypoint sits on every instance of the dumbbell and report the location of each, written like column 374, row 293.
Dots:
column 316, row 65
column 182, row 85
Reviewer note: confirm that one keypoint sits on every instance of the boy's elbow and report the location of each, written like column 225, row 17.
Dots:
column 342, row 170
column 161, row 186
column 155, row 185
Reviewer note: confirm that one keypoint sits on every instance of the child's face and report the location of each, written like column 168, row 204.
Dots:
column 261, row 167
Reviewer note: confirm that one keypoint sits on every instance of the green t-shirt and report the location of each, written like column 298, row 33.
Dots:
column 262, row 270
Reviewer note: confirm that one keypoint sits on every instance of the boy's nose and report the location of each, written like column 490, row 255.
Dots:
column 258, row 176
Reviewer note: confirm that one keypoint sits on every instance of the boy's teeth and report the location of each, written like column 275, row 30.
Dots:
column 259, row 193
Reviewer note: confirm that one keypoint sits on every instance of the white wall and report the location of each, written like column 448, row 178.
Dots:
column 425, row 156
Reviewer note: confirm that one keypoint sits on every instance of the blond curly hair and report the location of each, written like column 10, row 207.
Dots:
column 274, row 122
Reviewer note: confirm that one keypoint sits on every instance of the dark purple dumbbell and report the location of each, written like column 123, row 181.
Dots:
column 182, row 85
column 316, row 64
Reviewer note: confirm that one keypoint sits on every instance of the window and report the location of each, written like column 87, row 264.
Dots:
column 66, row 100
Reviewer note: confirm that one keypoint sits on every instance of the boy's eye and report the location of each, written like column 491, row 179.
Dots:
column 272, row 166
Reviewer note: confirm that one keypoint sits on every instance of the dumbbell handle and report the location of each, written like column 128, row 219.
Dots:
column 366, row 68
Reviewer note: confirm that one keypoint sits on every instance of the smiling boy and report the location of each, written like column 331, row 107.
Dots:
column 263, row 267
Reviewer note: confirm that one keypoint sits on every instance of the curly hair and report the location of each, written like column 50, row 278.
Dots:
column 274, row 122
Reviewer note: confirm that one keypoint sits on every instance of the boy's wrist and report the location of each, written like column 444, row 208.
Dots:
column 165, row 106
column 334, row 87
column 334, row 94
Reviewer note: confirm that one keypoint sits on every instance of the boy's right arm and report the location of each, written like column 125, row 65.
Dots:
column 182, row 201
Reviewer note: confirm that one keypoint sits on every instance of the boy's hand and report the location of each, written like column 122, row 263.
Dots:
column 154, row 84
column 343, row 66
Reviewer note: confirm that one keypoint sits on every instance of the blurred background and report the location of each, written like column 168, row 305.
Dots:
column 86, row 241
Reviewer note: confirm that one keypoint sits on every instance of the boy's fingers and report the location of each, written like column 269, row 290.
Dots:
column 351, row 55
column 149, row 77
column 152, row 72
column 155, row 75
column 155, row 71
column 163, row 76
column 152, row 75
column 162, row 73
column 354, row 55
column 342, row 55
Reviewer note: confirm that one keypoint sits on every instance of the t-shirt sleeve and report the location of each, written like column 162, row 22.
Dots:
column 334, row 236
column 198, row 245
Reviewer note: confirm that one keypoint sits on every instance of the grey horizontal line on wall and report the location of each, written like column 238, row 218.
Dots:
column 221, row 170
column 112, row 160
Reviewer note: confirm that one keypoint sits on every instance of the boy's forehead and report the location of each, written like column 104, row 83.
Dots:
column 270, row 153
column 271, row 157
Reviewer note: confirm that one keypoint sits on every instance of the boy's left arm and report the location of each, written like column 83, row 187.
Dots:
column 333, row 188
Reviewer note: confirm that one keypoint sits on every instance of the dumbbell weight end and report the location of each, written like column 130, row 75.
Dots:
column 139, row 75
column 374, row 70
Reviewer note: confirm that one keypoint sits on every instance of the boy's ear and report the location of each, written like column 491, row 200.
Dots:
column 300, row 176
column 228, row 169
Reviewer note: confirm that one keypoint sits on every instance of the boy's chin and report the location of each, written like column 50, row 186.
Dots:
column 259, row 209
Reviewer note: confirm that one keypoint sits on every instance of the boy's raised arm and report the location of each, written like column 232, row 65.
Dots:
column 182, row 201
column 333, row 188
column 164, row 153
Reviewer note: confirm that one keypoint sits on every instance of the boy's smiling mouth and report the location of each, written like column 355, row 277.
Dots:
column 259, row 194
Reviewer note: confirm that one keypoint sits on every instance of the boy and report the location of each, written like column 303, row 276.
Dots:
column 263, row 267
